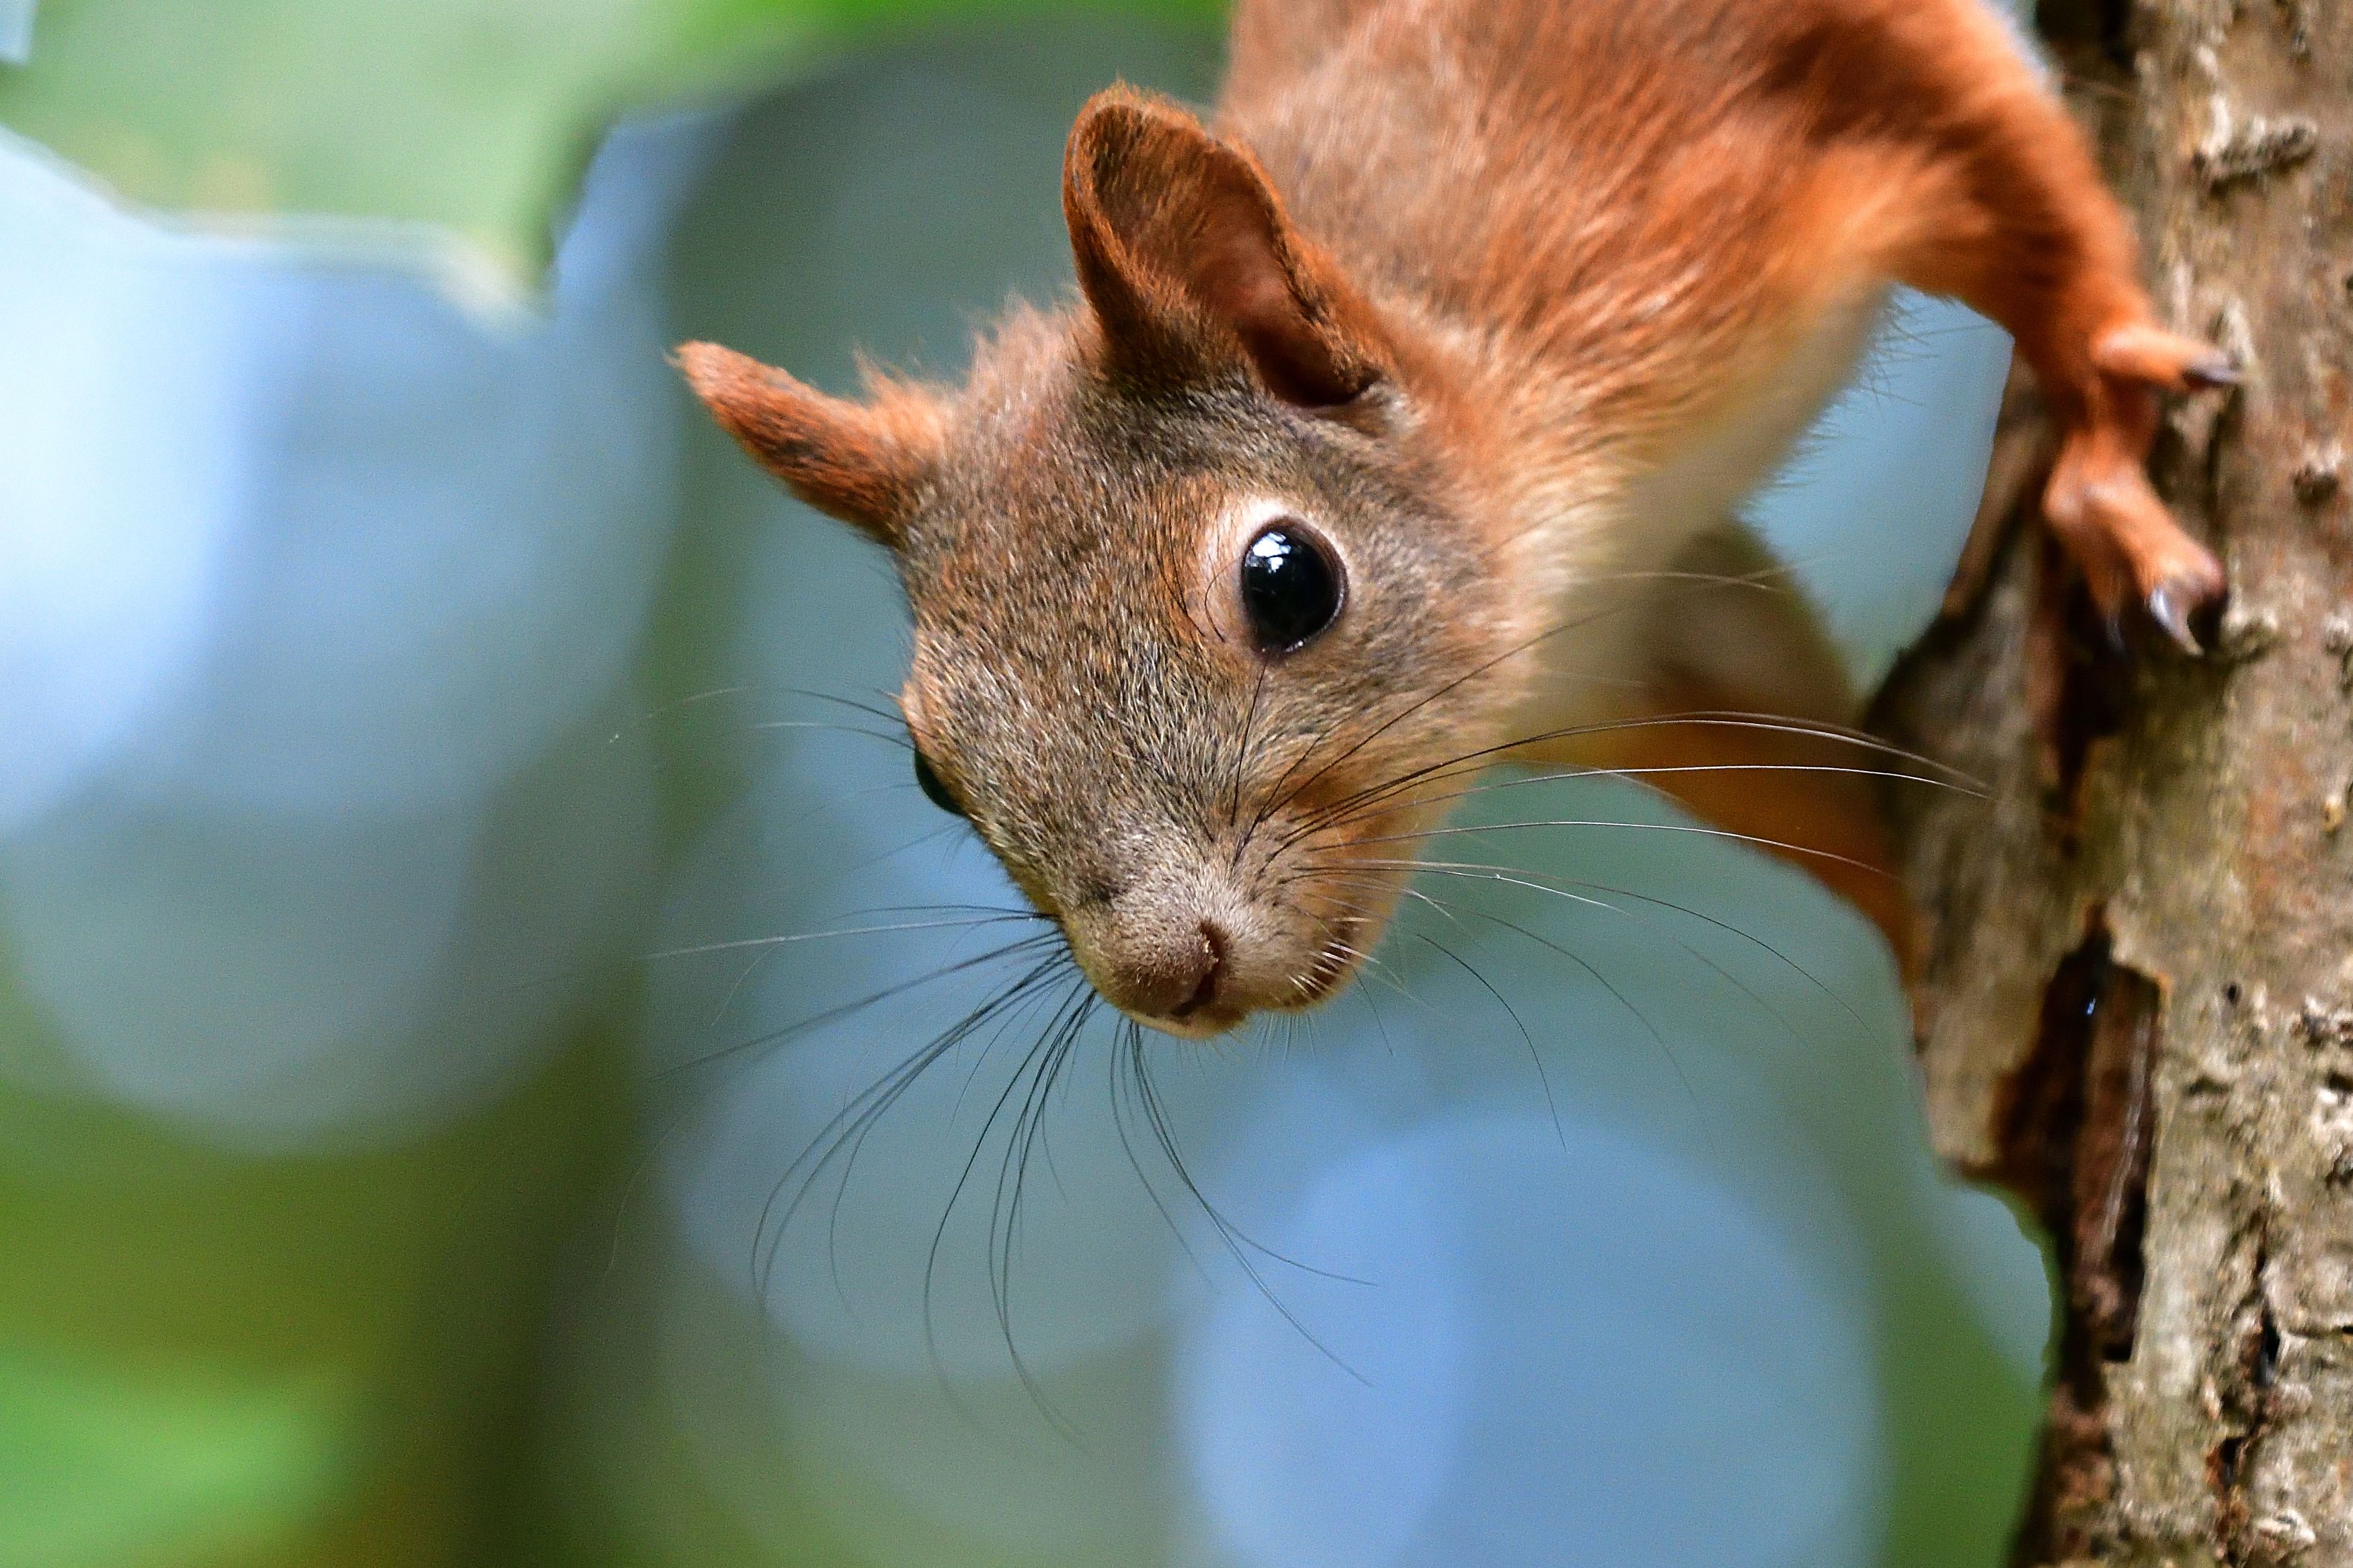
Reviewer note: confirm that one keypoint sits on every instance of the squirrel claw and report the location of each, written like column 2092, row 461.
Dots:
column 2142, row 352
column 2218, row 370
column 2165, row 609
column 2188, row 606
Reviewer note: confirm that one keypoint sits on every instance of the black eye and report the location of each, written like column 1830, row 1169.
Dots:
column 1291, row 587
column 933, row 790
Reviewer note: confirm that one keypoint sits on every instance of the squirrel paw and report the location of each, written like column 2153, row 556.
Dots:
column 2099, row 500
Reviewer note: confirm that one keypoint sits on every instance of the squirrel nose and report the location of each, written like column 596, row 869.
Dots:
column 1172, row 979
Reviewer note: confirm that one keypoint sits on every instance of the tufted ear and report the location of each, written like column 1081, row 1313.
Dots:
column 865, row 463
column 1186, row 255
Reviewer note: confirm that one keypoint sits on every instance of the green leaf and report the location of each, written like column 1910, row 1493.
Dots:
column 474, row 115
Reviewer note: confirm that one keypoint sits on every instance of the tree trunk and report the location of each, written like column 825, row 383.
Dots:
column 2135, row 997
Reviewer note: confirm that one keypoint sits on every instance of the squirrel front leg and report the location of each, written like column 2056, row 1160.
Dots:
column 2003, row 208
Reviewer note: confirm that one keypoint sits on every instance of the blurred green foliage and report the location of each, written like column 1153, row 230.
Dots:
column 207, row 1358
column 477, row 115
column 109, row 1460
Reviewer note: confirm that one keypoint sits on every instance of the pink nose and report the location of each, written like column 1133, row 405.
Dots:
column 1171, row 975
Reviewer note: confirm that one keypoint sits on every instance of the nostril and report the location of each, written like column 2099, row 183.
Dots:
column 1214, row 941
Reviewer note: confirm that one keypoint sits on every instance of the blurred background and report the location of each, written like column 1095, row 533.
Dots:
column 456, row 905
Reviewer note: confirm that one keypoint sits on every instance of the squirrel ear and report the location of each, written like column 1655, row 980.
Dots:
column 862, row 462
column 1184, row 251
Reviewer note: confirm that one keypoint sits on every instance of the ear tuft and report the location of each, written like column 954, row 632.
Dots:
column 865, row 463
column 1186, row 255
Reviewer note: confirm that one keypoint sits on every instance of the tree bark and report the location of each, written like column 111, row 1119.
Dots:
column 2135, row 994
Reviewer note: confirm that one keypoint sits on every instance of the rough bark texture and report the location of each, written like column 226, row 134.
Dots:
column 2135, row 1002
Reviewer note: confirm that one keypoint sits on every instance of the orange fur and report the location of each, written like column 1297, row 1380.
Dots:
column 1635, row 196
column 1755, row 783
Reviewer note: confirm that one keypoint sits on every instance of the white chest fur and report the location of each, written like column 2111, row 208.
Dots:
column 1628, row 567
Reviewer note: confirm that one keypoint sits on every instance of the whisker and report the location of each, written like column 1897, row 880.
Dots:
column 1506, row 874
column 1242, row 756
column 777, row 1037
column 1128, row 1053
column 1024, row 1072
column 1474, row 761
column 1698, row 1110
column 1012, row 1001
column 767, row 725
column 1007, row 1023
column 835, row 802
column 1527, row 1039
column 1640, row 775
column 1692, row 828
column 1372, row 1005
column 992, row 916
column 845, row 1136
column 646, row 718
column 1238, row 1244
column 889, row 715
column 1278, row 800
column 1130, row 1036
column 1064, row 1034
column 951, row 828
column 1373, row 967
column 845, row 1132
column 843, row 1010
column 1370, row 885
column 1501, row 875
column 700, row 697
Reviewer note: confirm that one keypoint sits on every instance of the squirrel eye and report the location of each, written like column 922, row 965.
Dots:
column 934, row 789
column 1291, row 587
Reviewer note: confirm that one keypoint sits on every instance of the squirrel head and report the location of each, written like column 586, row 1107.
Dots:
column 1201, row 619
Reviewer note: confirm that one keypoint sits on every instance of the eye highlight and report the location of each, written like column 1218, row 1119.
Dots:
column 1291, row 586
column 934, row 789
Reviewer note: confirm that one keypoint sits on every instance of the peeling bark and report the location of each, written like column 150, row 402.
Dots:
column 2136, row 999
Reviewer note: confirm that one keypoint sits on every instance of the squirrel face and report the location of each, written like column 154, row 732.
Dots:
column 1199, row 622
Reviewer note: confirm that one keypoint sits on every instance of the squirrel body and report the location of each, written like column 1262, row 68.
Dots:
column 1456, row 338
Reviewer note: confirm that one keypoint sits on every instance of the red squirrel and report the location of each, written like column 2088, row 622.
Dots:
column 1402, row 412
